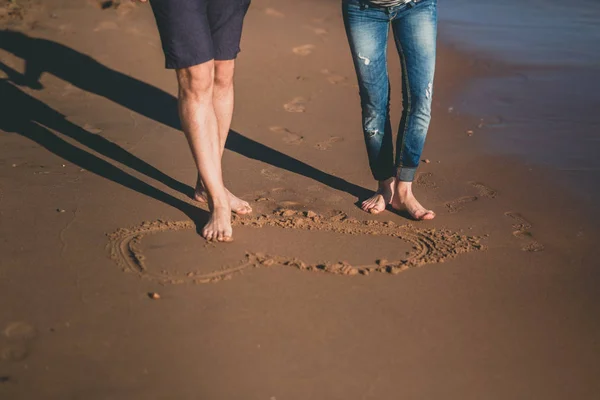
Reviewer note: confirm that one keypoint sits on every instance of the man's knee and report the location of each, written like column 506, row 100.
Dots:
column 224, row 71
column 197, row 80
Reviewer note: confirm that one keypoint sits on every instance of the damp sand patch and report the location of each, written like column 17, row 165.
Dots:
column 335, row 244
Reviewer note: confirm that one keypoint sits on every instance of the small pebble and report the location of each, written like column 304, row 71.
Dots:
column 14, row 165
column 60, row 210
column 154, row 295
column 426, row 161
column 470, row 133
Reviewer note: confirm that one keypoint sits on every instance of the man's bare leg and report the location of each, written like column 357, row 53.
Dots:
column 199, row 122
column 223, row 101
column 404, row 199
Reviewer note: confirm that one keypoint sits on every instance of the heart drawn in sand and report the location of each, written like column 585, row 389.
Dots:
column 429, row 246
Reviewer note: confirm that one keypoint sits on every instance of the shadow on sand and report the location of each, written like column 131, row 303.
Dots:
column 28, row 117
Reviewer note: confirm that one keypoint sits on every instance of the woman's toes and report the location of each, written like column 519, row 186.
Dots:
column 225, row 236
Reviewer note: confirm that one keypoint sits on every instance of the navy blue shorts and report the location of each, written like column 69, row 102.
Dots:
column 196, row 31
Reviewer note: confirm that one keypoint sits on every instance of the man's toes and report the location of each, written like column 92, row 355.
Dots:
column 244, row 209
column 375, row 210
column 429, row 215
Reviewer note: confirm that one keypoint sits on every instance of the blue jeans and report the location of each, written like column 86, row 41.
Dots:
column 414, row 26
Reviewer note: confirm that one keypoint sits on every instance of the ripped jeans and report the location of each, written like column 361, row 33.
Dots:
column 414, row 26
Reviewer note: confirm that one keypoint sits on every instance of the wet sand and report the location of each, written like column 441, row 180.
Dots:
column 95, row 215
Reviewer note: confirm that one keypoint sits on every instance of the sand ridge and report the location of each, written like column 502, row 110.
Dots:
column 430, row 246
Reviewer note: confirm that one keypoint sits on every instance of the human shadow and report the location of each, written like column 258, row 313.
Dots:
column 31, row 118
column 85, row 73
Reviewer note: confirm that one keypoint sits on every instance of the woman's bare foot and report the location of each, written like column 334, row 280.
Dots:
column 218, row 226
column 236, row 204
column 379, row 201
column 404, row 199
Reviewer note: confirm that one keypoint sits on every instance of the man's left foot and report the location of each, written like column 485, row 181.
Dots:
column 237, row 205
column 404, row 200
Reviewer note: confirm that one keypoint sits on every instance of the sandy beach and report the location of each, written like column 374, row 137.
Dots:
column 108, row 291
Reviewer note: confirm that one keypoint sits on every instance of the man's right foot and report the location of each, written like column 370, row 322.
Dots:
column 380, row 200
column 218, row 226
column 236, row 204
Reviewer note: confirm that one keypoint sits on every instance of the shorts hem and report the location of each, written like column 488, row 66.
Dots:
column 187, row 63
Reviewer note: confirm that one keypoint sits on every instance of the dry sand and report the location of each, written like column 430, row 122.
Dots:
column 109, row 293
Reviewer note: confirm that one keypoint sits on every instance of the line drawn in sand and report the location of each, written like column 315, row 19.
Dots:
column 429, row 246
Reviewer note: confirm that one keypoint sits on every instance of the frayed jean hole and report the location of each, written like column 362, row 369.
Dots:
column 429, row 90
column 372, row 134
column 366, row 60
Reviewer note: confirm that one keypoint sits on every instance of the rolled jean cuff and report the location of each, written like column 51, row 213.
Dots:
column 406, row 174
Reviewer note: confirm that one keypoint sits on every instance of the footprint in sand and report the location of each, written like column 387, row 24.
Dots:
column 304, row 50
column 296, row 105
column 317, row 31
column 271, row 12
column 125, row 8
column 18, row 337
column 105, row 26
column 327, row 144
column 425, row 179
column 288, row 136
column 456, row 205
column 92, row 129
column 522, row 227
column 484, row 190
column 290, row 205
column 429, row 246
column 271, row 174
column 332, row 78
